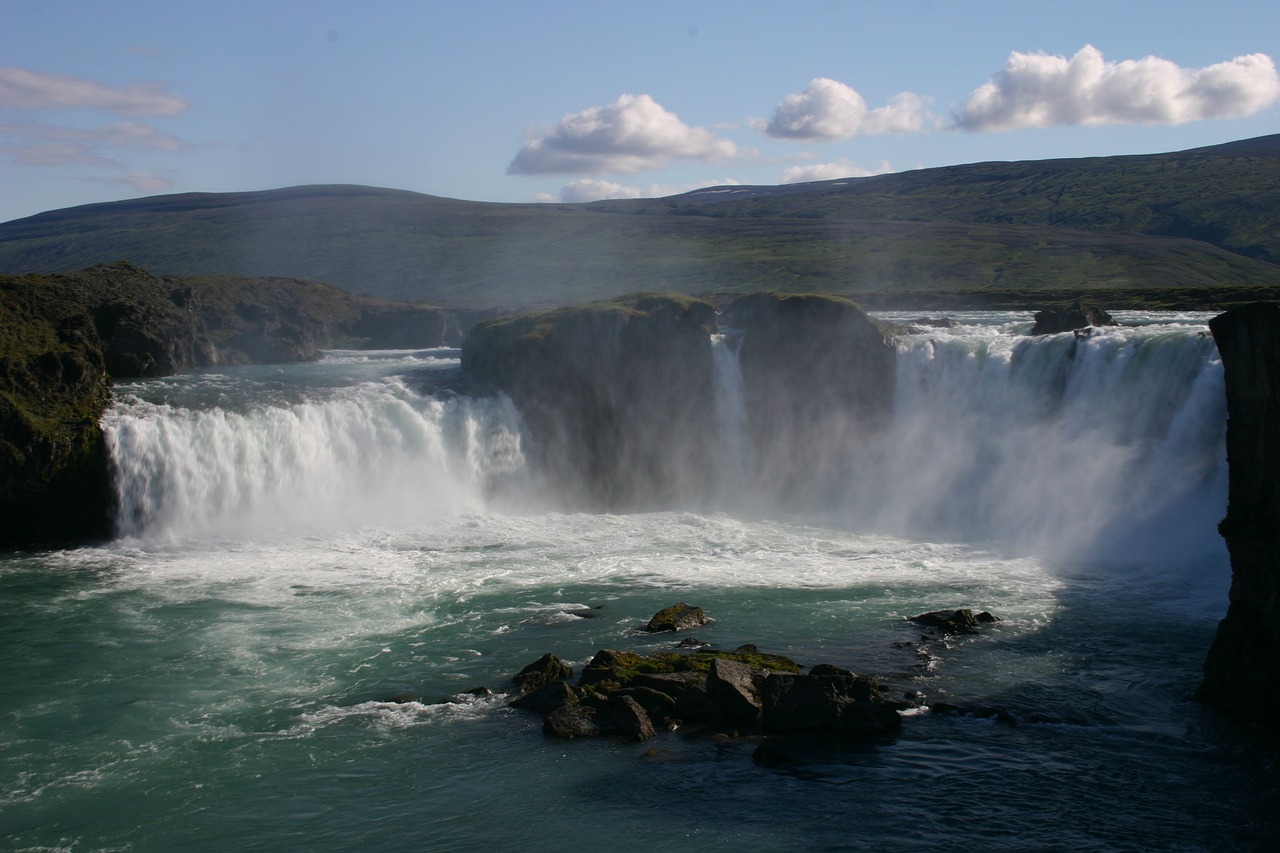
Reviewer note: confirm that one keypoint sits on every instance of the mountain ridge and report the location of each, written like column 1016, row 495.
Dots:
column 1205, row 218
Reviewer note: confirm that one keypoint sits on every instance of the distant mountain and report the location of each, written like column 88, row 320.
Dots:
column 1192, row 222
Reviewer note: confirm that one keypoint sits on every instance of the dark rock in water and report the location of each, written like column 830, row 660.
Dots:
column 936, row 322
column 1242, row 670
column 817, row 702
column 960, row 621
column 545, row 670
column 572, row 721
column 1078, row 315
column 692, row 643
column 628, row 717
column 734, row 686
column 611, row 667
column 677, row 617
column 545, row 699
column 690, row 700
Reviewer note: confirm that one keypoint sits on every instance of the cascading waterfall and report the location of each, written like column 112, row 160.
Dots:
column 1111, row 442
column 373, row 453
column 735, row 454
column 1106, row 443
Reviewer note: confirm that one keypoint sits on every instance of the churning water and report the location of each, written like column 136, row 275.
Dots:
column 315, row 562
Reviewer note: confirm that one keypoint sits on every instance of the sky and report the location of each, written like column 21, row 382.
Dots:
column 577, row 101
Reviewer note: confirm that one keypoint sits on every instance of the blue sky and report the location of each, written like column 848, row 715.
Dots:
column 526, row 101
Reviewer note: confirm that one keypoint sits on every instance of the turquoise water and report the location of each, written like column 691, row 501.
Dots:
column 299, row 546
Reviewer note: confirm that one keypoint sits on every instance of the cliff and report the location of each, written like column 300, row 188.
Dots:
column 617, row 395
column 53, row 388
column 1242, row 671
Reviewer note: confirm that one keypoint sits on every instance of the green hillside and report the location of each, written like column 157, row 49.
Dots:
column 1200, row 226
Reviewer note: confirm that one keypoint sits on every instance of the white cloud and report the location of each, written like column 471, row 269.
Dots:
column 24, row 89
column 632, row 134
column 831, row 171
column 1039, row 90
column 828, row 110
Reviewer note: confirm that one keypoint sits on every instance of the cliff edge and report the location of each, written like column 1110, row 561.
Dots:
column 1242, row 673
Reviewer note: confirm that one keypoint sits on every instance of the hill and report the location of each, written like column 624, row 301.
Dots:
column 1192, row 227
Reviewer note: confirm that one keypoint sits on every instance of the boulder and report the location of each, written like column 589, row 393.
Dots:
column 1077, row 315
column 628, row 717
column 572, row 721
column 815, row 702
column 734, row 687
column 678, row 617
column 547, row 669
column 959, row 621
column 547, row 698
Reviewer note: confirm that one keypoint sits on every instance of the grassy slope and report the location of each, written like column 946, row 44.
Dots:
column 1198, row 220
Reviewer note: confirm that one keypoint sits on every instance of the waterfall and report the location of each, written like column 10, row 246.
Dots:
column 1110, row 443
column 367, row 454
column 734, row 454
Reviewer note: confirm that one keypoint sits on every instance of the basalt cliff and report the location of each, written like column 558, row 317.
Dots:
column 1242, row 671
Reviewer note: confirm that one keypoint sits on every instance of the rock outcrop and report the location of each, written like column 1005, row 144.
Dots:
column 819, row 376
column 54, row 482
column 617, row 395
column 743, row 691
column 1242, row 671
column 1077, row 315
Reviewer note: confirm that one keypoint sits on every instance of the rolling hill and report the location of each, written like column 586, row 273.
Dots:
column 1193, row 227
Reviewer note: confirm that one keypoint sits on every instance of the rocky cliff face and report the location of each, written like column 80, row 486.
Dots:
column 1242, row 671
column 53, row 388
column 616, row 395
column 819, row 378
column 620, row 404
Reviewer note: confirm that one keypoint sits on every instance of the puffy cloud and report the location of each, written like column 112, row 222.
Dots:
column 632, row 134
column 1039, row 90
column 828, row 110
column 24, row 89
column 831, row 171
